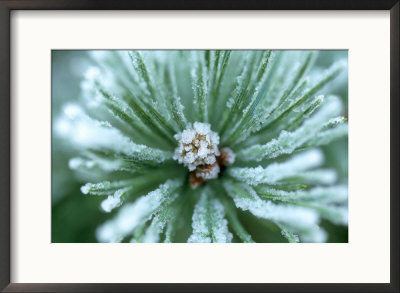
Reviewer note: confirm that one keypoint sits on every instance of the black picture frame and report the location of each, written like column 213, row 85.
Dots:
column 6, row 6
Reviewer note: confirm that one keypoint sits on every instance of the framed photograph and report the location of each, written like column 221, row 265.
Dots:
column 199, row 147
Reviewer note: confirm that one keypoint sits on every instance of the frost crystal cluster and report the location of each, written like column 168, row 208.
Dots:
column 197, row 145
column 198, row 150
column 210, row 146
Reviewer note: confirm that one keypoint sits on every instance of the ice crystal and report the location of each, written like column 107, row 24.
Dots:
column 132, row 215
column 197, row 145
column 209, row 224
column 210, row 146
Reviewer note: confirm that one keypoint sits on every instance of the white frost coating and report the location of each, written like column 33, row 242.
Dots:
column 338, row 215
column 133, row 214
column 104, row 187
column 199, row 77
column 327, row 136
column 230, row 102
column 110, row 203
column 246, row 198
column 75, row 163
column 200, row 234
column 209, row 224
column 153, row 232
column 114, row 201
column 93, row 77
column 319, row 176
column 80, row 164
column 208, row 171
column 84, row 132
column 228, row 156
column 277, row 171
column 85, row 188
column 335, row 121
column 198, row 145
column 287, row 142
column 314, row 234
column 220, row 224
column 331, row 194
column 158, row 224
column 289, row 235
column 330, row 202
column 169, row 233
